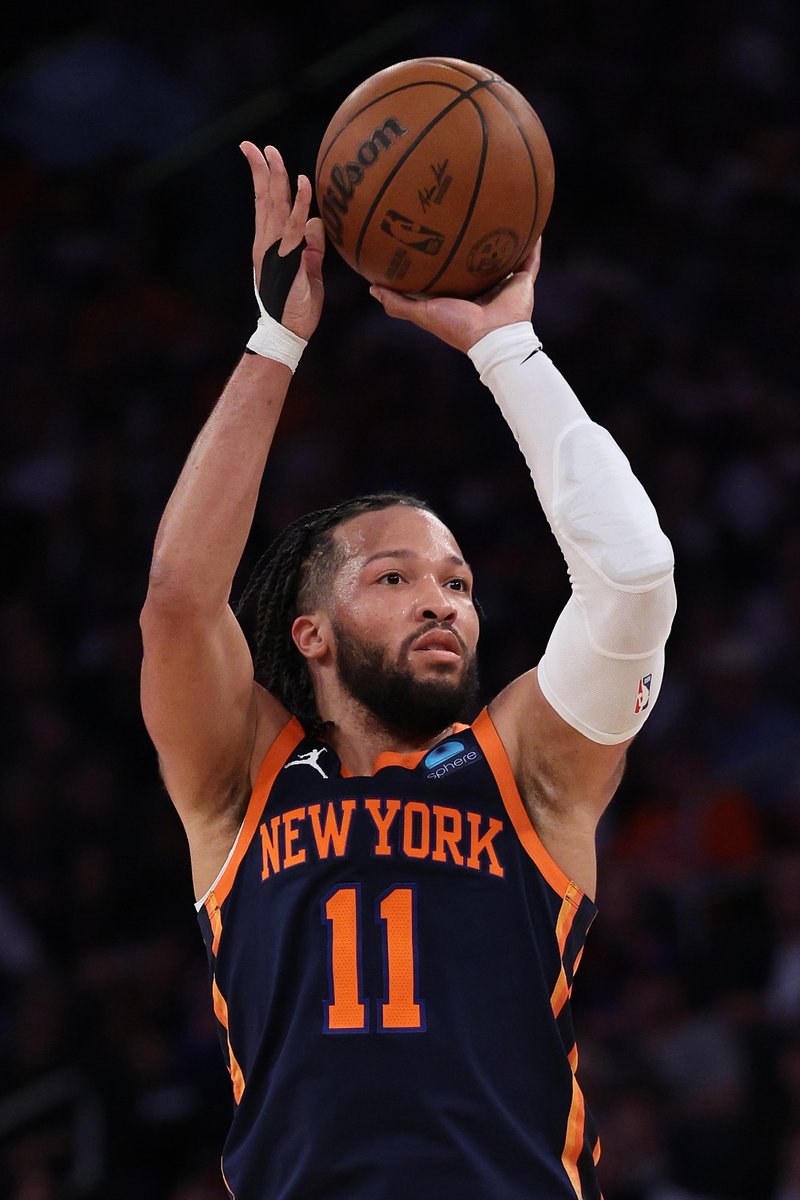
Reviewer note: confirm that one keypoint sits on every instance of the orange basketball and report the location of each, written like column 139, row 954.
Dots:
column 434, row 177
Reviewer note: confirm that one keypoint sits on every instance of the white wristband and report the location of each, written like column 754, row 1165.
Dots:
column 272, row 340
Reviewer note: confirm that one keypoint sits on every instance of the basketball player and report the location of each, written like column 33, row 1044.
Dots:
column 394, row 901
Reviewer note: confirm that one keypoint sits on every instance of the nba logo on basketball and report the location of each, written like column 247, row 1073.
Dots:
column 643, row 694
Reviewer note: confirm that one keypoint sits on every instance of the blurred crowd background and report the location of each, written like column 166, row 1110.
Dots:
column 668, row 296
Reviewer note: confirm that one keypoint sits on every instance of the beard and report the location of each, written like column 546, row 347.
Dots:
column 401, row 703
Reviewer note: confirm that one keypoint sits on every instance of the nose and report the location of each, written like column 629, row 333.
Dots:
column 434, row 603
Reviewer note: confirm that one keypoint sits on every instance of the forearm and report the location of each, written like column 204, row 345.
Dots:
column 204, row 528
column 603, row 665
column 572, row 458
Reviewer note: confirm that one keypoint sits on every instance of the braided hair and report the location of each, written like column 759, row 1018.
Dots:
column 291, row 577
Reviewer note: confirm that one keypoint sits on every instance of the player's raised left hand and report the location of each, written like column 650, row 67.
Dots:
column 283, row 226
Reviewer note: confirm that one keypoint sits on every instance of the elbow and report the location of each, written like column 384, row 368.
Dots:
column 644, row 560
column 171, row 596
column 162, row 605
column 166, row 591
column 632, row 622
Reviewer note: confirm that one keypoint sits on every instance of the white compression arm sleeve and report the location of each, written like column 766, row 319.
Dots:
column 603, row 665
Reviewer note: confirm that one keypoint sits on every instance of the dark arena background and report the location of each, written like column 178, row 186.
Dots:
column 668, row 296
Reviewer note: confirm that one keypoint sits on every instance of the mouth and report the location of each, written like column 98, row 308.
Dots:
column 441, row 645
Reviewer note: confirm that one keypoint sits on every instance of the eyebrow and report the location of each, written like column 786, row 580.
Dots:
column 451, row 558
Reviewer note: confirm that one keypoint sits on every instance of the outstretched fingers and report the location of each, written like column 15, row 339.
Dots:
column 280, row 194
column 259, row 169
column 272, row 192
column 315, row 235
column 294, row 228
column 314, row 250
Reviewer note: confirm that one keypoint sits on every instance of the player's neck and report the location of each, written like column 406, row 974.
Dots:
column 359, row 738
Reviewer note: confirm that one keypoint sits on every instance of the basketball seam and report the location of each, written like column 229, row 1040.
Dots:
column 377, row 100
column 463, row 95
column 442, row 62
column 532, row 158
column 473, row 199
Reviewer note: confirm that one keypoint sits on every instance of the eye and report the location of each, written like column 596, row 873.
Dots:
column 391, row 577
column 458, row 585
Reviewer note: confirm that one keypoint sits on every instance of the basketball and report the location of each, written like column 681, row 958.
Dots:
column 434, row 177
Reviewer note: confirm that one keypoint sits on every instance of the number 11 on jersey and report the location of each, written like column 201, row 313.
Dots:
column 346, row 1009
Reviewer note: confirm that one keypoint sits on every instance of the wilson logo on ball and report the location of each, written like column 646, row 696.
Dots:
column 345, row 179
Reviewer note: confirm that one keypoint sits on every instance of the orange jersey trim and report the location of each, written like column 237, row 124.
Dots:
column 215, row 920
column 564, row 923
column 290, row 736
column 221, row 1013
column 392, row 758
column 573, row 1143
column 489, row 741
column 561, row 992
column 566, row 917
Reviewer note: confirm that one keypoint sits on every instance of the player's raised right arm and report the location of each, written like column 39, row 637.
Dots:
column 199, row 701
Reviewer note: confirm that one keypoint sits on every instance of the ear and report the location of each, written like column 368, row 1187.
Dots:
column 310, row 634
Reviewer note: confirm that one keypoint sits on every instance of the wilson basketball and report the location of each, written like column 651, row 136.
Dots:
column 434, row 177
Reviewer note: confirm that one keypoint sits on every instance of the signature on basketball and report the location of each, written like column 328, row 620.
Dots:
column 345, row 179
column 435, row 194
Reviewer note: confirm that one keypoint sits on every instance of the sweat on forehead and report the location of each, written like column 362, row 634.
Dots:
column 352, row 538
column 397, row 528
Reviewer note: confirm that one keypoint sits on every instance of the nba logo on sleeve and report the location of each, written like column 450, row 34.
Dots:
column 643, row 694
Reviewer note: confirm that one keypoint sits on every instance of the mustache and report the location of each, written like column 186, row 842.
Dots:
column 408, row 642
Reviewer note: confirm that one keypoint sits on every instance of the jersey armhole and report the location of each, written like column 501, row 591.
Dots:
column 489, row 741
column 289, row 737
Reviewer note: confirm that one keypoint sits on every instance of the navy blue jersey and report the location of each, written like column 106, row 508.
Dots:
column 392, row 959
